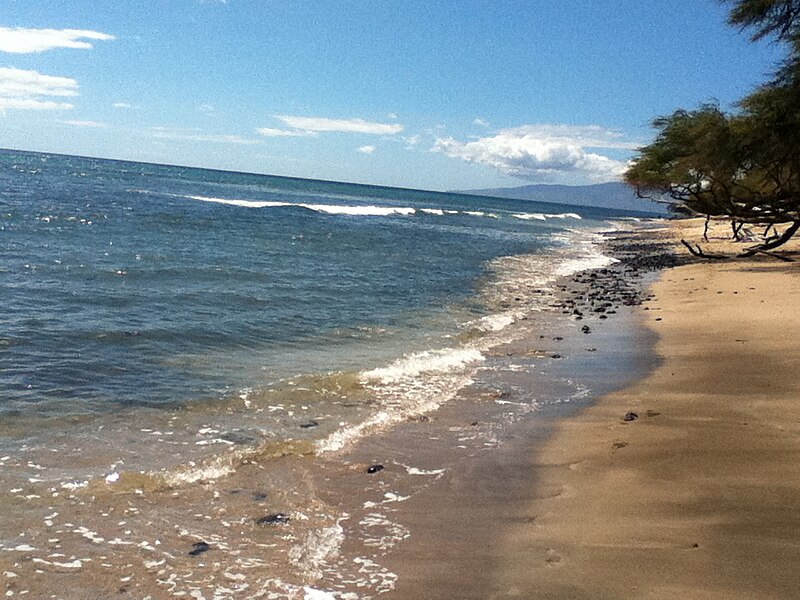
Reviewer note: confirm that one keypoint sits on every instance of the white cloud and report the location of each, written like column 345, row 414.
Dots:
column 18, row 83
column 23, row 90
column 320, row 124
column 123, row 105
column 194, row 135
column 480, row 122
column 90, row 124
column 30, row 104
column 393, row 116
column 543, row 152
column 366, row 149
column 586, row 136
column 272, row 132
column 20, row 40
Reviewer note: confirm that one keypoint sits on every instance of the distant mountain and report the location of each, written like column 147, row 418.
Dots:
column 615, row 195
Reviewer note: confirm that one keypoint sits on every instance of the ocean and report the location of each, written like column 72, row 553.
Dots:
column 166, row 330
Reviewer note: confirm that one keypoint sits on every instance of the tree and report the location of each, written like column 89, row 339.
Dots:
column 743, row 166
column 778, row 18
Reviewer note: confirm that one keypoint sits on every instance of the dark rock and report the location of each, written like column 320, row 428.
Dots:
column 199, row 548
column 309, row 425
column 630, row 416
column 259, row 496
column 239, row 438
column 273, row 519
column 374, row 469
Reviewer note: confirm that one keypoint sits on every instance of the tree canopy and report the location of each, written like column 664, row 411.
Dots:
column 744, row 165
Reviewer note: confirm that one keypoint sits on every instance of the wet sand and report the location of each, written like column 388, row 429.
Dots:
column 698, row 497
column 460, row 528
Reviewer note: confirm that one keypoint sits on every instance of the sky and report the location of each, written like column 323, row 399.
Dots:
column 429, row 94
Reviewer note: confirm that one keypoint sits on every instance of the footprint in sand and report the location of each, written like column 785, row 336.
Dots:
column 553, row 558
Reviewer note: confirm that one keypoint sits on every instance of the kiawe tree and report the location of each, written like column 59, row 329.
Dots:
column 742, row 166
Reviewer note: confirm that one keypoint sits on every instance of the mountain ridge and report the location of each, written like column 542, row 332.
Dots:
column 614, row 195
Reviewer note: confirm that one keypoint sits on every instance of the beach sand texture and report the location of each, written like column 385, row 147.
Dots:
column 698, row 497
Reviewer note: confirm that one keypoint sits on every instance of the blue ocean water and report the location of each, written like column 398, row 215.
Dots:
column 187, row 354
column 126, row 284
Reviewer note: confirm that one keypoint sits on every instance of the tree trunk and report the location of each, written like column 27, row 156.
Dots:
column 773, row 242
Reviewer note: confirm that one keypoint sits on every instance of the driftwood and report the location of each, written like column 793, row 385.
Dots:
column 775, row 241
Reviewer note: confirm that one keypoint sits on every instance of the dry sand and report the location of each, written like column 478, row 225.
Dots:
column 699, row 497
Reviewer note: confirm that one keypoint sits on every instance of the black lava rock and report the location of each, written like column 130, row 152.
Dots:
column 273, row 519
column 199, row 548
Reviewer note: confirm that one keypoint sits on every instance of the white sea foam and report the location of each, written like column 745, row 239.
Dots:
column 317, row 549
column 413, row 365
column 496, row 322
column 315, row 594
column 587, row 254
column 243, row 203
column 545, row 216
column 416, row 471
column 361, row 211
column 414, row 384
column 333, row 209
column 193, row 474
column 366, row 210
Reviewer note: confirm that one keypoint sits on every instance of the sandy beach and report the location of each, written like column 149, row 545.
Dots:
column 699, row 495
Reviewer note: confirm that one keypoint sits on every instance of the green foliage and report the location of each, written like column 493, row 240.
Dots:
column 745, row 165
column 778, row 18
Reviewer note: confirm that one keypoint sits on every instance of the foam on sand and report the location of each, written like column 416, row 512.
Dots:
column 412, row 385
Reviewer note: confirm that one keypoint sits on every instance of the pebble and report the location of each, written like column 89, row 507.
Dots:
column 273, row 519
column 199, row 548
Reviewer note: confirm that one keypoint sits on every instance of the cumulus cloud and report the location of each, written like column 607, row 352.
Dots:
column 194, row 135
column 321, row 124
column 366, row 149
column 24, row 90
column 543, row 152
column 586, row 136
column 20, row 40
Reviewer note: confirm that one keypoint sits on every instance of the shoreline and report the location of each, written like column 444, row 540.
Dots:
column 458, row 528
column 448, row 489
column 699, row 496
column 285, row 521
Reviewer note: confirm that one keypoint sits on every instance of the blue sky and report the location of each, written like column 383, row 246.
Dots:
column 413, row 93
